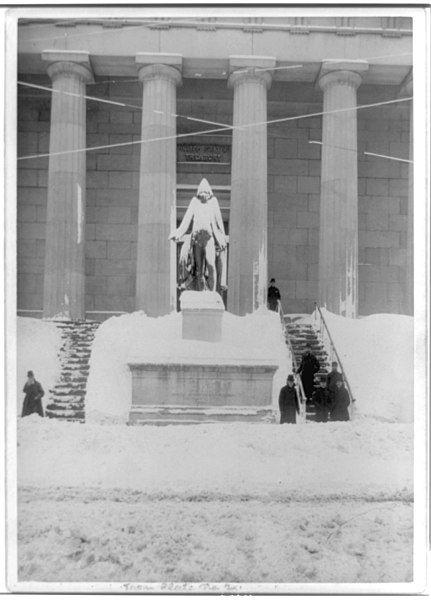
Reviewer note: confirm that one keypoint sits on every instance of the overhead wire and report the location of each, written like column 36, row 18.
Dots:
column 344, row 148
column 222, row 128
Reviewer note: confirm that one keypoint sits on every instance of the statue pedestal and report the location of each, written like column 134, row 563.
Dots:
column 201, row 391
column 202, row 316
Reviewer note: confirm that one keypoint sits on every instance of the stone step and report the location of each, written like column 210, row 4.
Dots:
column 61, row 408
column 71, row 415
column 59, row 393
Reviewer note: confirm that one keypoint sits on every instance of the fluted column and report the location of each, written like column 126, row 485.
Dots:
column 409, row 289
column 64, row 279
column 156, row 259
column 338, row 242
column 247, row 279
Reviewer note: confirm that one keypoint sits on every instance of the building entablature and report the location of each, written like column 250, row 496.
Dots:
column 298, row 57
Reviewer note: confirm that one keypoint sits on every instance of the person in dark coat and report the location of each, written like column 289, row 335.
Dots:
column 340, row 404
column 33, row 396
column 307, row 369
column 332, row 378
column 288, row 402
column 273, row 295
column 322, row 401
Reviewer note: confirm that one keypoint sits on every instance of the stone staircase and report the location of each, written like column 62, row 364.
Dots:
column 299, row 335
column 67, row 398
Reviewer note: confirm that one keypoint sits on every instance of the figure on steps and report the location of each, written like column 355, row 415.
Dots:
column 340, row 403
column 202, row 259
column 322, row 401
column 307, row 369
column 333, row 376
column 273, row 295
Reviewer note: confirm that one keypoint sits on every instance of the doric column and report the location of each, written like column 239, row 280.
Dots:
column 338, row 243
column 409, row 289
column 64, row 279
column 247, row 275
column 156, row 260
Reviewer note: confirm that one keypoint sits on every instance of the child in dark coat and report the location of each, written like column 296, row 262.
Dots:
column 288, row 402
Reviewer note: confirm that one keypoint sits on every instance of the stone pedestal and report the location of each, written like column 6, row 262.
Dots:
column 338, row 242
column 202, row 316
column 247, row 279
column 64, row 279
column 156, row 255
column 165, row 393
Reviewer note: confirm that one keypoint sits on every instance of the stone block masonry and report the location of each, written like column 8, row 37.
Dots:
column 294, row 169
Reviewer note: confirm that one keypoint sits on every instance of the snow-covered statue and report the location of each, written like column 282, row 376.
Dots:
column 202, row 257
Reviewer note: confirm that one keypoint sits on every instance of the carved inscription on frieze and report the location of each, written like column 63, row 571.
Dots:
column 208, row 153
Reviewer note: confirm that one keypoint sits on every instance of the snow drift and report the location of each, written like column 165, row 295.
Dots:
column 138, row 338
column 377, row 353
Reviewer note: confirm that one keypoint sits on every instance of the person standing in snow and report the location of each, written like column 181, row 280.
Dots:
column 288, row 402
column 208, row 238
column 332, row 379
column 340, row 403
column 322, row 401
column 307, row 369
column 273, row 295
column 33, row 396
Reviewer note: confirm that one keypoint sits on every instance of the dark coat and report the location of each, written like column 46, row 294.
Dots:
column 331, row 381
column 33, row 399
column 322, row 400
column 273, row 297
column 340, row 405
column 289, row 404
column 307, row 369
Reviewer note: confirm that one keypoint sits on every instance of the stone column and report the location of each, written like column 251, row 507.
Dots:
column 338, row 243
column 64, row 279
column 247, row 274
column 156, row 260
column 409, row 289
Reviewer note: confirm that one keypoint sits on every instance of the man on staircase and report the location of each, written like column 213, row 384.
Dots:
column 322, row 401
column 307, row 369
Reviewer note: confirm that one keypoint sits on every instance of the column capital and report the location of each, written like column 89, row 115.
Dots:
column 343, row 72
column 154, row 65
column 68, row 63
column 243, row 68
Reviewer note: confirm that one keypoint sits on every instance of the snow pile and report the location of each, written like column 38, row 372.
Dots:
column 38, row 346
column 358, row 459
column 135, row 338
column 377, row 353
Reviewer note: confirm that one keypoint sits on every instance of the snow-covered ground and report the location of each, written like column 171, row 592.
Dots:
column 269, row 504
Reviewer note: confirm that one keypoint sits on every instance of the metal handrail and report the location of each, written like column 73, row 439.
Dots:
column 298, row 380
column 334, row 350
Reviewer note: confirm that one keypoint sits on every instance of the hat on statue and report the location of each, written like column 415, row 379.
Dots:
column 204, row 188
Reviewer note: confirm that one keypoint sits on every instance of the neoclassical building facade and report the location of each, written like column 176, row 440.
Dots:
column 302, row 126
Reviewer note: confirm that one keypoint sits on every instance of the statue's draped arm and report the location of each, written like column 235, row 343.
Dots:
column 218, row 217
column 187, row 219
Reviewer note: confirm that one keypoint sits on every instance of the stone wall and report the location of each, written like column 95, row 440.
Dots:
column 293, row 196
